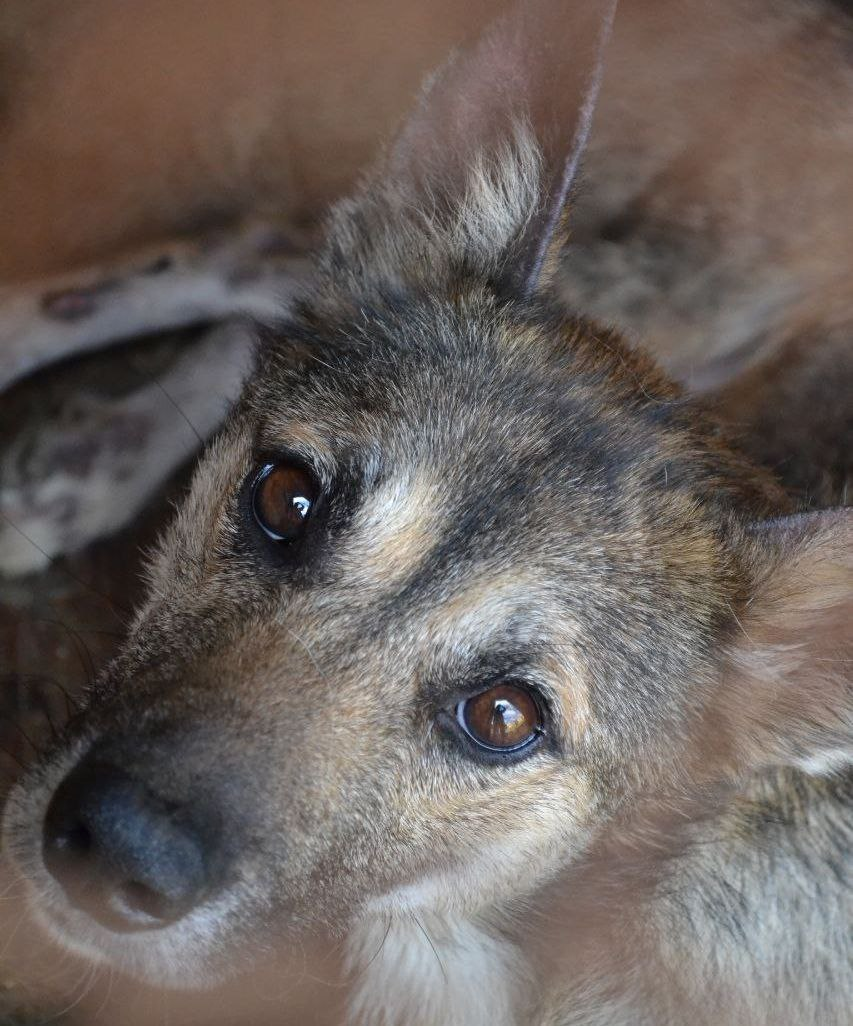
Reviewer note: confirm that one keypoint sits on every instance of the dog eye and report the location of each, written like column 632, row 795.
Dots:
column 283, row 496
column 504, row 718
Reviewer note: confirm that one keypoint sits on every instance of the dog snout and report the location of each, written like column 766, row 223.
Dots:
column 128, row 856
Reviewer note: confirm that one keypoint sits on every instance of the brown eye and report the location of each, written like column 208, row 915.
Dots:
column 503, row 718
column 282, row 499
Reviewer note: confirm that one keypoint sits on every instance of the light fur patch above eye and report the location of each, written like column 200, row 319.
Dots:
column 479, row 612
column 572, row 690
column 396, row 526
column 486, row 603
column 299, row 436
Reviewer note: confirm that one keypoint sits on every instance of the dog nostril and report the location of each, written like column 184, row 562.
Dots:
column 123, row 855
column 76, row 840
column 140, row 898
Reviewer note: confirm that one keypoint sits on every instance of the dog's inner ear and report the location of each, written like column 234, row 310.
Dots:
column 484, row 164
column 788, row 679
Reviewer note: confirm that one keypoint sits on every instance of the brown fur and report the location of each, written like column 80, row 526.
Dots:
column 510, row 491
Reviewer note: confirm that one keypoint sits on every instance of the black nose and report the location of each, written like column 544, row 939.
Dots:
column 128, row 857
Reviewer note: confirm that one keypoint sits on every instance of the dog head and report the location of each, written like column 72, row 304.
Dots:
column 459, row 578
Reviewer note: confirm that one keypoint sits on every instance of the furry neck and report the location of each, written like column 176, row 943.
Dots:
column 430, row 970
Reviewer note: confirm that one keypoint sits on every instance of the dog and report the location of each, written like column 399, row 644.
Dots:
column 479, row 642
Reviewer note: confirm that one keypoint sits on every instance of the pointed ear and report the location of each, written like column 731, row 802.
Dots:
column 789, row 677
column 494, row 143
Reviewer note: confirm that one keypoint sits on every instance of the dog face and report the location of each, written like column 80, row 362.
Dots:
column 448, row 591
column 492, row 608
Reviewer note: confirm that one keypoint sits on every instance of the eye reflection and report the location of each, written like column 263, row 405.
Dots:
column 504, row 718
column 283, row 497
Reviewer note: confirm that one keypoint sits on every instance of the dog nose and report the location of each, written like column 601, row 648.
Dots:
column 129, row 858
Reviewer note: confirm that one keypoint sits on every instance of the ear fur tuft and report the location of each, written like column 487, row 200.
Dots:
column 478, row 177
column 789, row 675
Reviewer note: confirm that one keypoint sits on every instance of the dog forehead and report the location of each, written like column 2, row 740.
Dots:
column 411, row 356
column 472, row 411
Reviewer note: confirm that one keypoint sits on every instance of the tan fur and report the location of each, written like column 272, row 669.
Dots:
column 512, row 492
